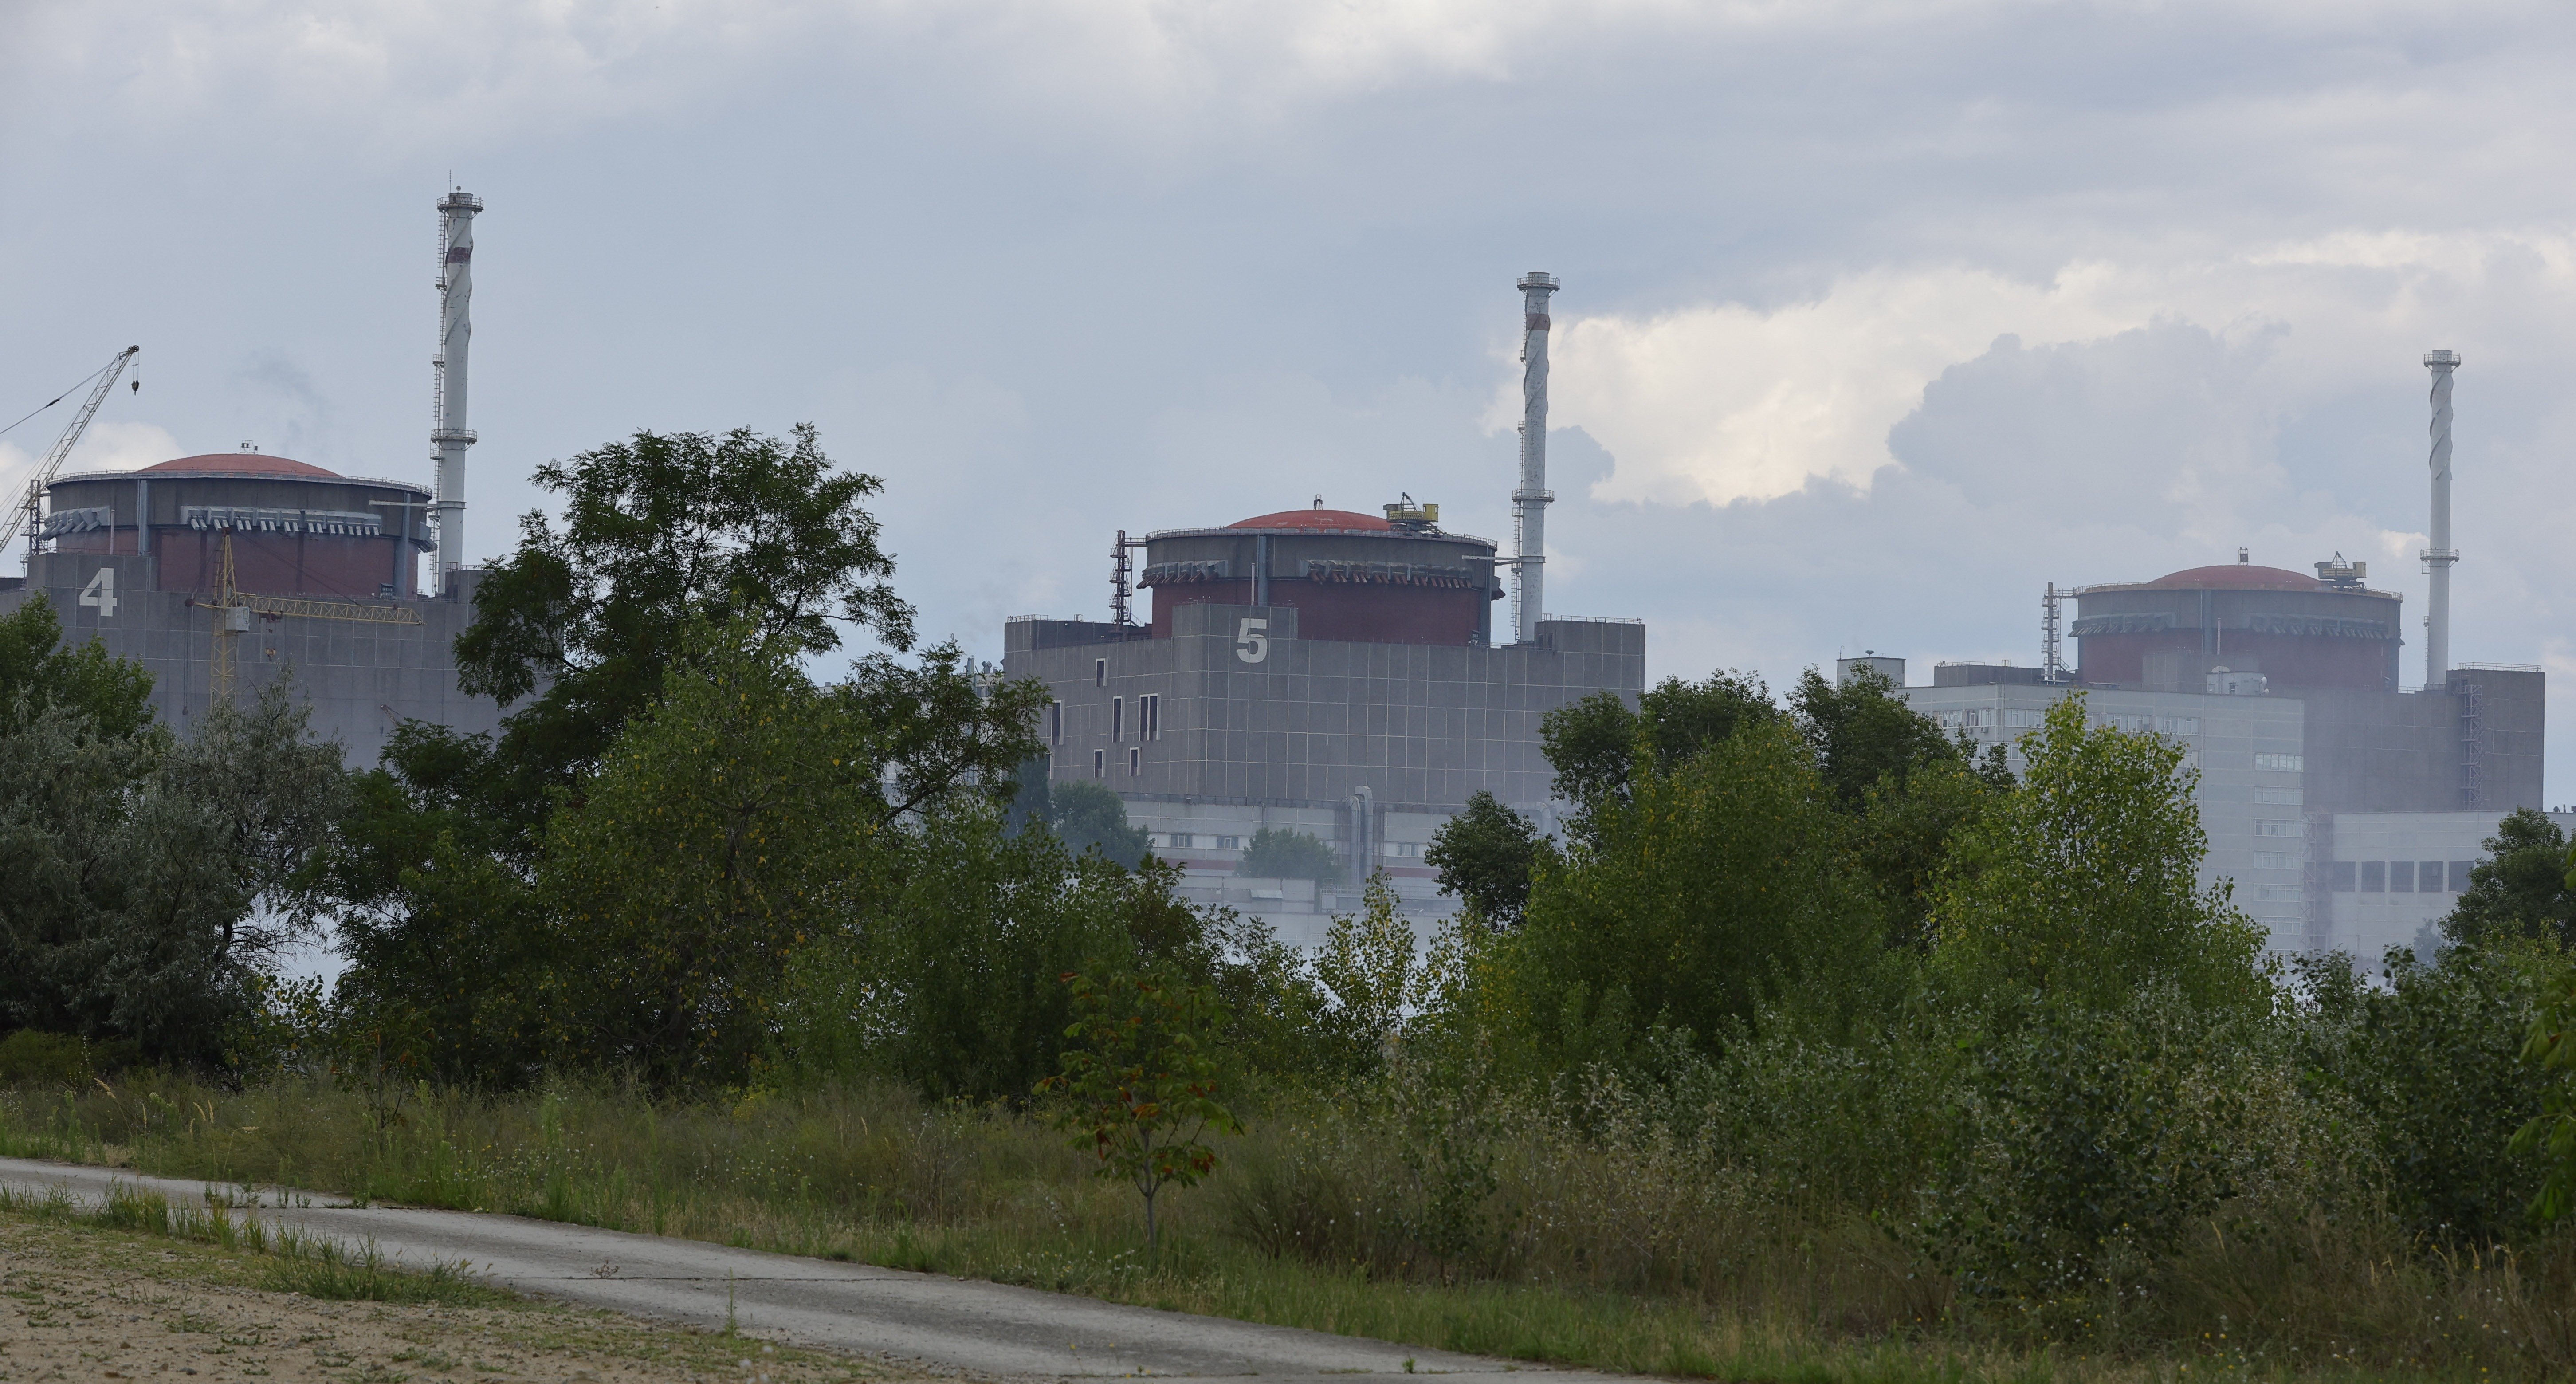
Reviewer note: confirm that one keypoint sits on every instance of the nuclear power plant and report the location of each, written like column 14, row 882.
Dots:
column 1325, row 671
column 222, row 572
column 2345, row 801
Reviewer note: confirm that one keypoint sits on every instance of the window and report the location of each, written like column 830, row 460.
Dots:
column 1229, row 843
column 2130, row 721
column 2017, row 718
column 1100, row 672
column 2460, row 876
column 1149, row 716
column 1100, row 763
column 2277, row 893
column 2374, row 876
column 2286, row 797
column 1117, row 719
column 2344, row 873
column 2428, row 877
column 2281, row 763
column 1135, row 761
column 2292, row 827
column 2275, row 860
column 2178, row 725
column 1411, row 850
column 1055, row 723
column 2401, row 876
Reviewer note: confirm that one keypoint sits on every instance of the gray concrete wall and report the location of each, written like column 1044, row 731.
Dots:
column 360, row 678
column 2405, row 751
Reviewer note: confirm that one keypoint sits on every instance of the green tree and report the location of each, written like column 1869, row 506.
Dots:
column 1141, row 1080
column 2082, row 885
column 1367, row 966
column 1087, row 816
column 1592, row 743
column 662, row 532
column 1710, row 888
column 1863, row 735
column 1485, row 855
column 1287, row 853
column 39, row 670
column 2521, row 890
column 2549, row 1136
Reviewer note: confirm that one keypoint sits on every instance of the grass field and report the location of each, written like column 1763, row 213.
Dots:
column 871, row 1175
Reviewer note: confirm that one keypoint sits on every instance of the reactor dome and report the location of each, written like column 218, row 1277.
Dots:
column 1396, row 578
column 2297, row 631
column 296, row 529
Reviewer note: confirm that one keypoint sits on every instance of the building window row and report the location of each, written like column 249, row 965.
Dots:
column 2285, row 797
column 2402, row 876
column 1192, row 841
column 2281, row 763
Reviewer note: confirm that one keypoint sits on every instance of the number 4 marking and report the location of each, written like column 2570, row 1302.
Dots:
column 101, row 593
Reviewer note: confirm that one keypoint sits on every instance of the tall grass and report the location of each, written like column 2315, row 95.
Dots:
column 1515, row 1232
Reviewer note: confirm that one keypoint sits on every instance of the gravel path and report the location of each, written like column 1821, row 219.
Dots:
column 955, row 1324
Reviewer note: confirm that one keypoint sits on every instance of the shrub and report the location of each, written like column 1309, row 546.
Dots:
column 30, row 1057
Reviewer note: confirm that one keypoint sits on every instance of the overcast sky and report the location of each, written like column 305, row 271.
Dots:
column 1875, row 318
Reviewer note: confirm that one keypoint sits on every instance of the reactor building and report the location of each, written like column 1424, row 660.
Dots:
column 220, row 573
column 2344, row 805
column 1327, row 671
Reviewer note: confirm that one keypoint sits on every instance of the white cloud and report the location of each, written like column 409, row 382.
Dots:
column 1730, row 402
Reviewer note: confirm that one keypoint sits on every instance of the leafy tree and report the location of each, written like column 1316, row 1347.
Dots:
column 1708, row 889
column 662, row 532
column 2549, row 1136
column 37, row 670
column 2522, row 889
column 1088, row 816
column 1141, row 1079
column 1862, row 734
column 2083, row 883
column 155, row 877
column 1367, row 966
column 1485, row 855
column 1287, row 853
column 1592, row 743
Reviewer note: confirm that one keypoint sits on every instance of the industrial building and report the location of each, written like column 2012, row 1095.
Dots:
column 2342, row 805
column 222, row 572
column 1326, row 671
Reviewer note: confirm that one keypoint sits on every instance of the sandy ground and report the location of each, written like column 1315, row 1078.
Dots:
column 84, row 1304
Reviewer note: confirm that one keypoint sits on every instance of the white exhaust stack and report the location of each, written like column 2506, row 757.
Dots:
column 1530, row 500
column 2439, row 558
column 449, row 434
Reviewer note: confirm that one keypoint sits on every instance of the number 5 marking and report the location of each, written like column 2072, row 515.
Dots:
column 101, row 593
column 1250, row 643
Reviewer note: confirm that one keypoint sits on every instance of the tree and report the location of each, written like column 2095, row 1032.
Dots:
column 2521, row 890
column 1089, row 817
column 1706, row 891
column 662, row 532
column 39, row 670
column 1287, row 853
column 1485, row 855
column 1140, row 1080
column 1863, row 735
column 1592, row 743
column 2082, row 885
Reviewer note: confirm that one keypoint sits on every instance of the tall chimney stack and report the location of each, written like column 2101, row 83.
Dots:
column 1531, row 499
column 449, row 435
column 2439, row 558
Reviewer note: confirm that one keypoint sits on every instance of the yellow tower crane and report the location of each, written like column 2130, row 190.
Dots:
column 234, row 607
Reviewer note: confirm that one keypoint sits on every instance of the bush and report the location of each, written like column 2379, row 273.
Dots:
column 29, row 1057
column 1280, row 853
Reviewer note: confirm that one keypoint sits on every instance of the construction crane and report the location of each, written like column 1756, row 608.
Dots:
column 234, row 607
column 25, row 518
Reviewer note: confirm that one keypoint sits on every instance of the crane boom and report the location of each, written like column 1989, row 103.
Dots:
column 25, row 519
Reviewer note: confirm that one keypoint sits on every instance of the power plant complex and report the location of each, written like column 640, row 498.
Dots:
column 222, row 572
column 1356, row 676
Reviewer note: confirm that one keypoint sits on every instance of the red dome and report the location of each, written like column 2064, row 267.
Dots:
column 242, row 464
column 2238, row 576
column 1324, row 520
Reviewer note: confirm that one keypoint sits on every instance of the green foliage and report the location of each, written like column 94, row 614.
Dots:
column 1863, row 736
column 1592, row 743
column 2427, row 1063
column 1486, row 855
column 2523, row 889
column 1710, row 888
column 1367, row 967
column 153, row 877
column 37, row 671
column 31, row 1057
column 1087, row 816
column 2081, row 886
column 2548, row 1137
column 1140, row 1080
column 1287, row 853
column 662, row 533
